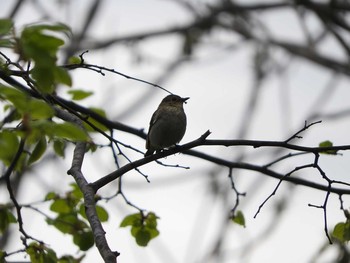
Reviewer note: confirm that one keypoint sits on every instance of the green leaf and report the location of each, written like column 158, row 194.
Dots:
column 74, row 60
column 17, row 98
column 39, row 128
column 62, row 76
column 100, row 112
column 3, row 254
column 6, row 218
column 153, row 232
column 40, row 45
column 58, row 131
column 37, row 109
column 102, row 213
column 327, row 144
column 9, row 143
column 58, row 27
column 69, row 131
column 40, row 110
column 68, row 223
column 5, row 26
column 80, row 94
column 238, row 218
column 38, row 151
column 143, row 237
column 84, row 240
column 61, row 206
column 44, row 76
column 39, row 253
column 76, row 192
column 59, row 146
column 151, row 220
column 132, row 220
column 341, row 232
column 143, row 229
column 50, row 196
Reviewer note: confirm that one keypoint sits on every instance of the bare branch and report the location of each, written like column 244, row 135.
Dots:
column 89, row 195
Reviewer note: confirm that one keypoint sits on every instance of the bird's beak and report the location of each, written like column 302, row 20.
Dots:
column 184, row 99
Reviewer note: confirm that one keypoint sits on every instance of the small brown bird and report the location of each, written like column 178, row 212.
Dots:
column 168, row 124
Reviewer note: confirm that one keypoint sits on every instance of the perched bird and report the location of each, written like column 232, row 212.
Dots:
column 168, row 124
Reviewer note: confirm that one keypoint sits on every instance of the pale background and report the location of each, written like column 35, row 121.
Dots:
column 219, row 82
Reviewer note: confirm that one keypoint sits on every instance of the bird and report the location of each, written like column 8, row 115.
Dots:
column 168, row 124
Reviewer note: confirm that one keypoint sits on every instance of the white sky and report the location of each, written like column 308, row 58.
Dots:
column 218, row 84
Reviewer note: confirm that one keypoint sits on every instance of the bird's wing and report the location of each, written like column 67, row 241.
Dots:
column 154, row 119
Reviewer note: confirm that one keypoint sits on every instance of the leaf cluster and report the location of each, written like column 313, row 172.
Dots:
column 71, row 218
column 40, row 253
column 143, row 227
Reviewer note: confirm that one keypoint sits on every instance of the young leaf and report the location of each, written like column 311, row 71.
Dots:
column 151, row 220
column 74, row 60
column 239, row 218
column 37, row 43
column 327, row 144
column 80, row 94
column 50, row 196
column 341, row 232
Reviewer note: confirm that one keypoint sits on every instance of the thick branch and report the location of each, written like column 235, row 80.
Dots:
column 89, row 195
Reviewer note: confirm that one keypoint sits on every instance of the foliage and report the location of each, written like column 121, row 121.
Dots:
column 239, row 218
column 71, row 217
column 41, row 48
column 342, row 232
column 33, row 114
column 143, row 227
column 327, row 144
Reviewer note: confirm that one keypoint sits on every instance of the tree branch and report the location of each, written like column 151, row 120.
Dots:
column 89, row 195
column 201, row 141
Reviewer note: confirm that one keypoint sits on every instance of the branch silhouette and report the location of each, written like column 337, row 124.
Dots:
column 202, row 141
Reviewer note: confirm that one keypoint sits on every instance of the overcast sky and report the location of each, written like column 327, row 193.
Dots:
column 218, row 82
